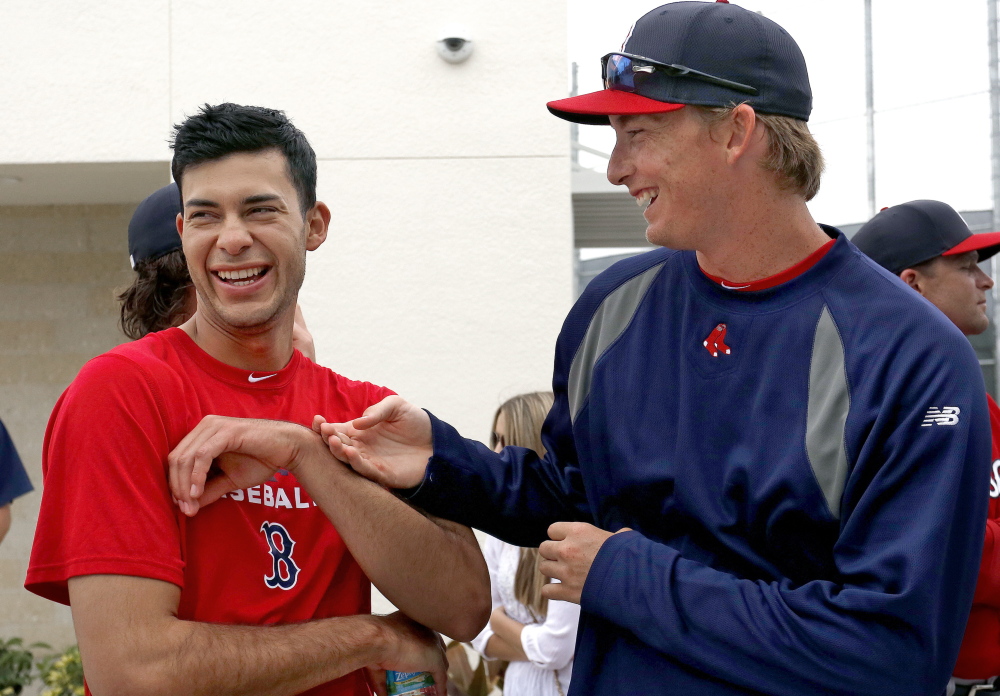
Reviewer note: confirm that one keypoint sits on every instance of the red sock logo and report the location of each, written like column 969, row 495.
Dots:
column 716, row 341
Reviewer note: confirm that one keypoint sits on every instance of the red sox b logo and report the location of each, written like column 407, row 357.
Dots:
column 284, row 571
column 716, row 341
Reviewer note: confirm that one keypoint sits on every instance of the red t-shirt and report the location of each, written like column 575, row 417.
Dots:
column 265, row 555
column 979, row 656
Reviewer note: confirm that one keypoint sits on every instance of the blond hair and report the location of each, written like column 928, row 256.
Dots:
column 523, row 417
column 793, row 153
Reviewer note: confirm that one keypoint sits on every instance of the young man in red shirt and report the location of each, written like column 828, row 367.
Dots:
column 929, row 246
column 260, row 593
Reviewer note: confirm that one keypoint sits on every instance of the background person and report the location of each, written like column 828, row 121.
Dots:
column 535, row 635
column 161, row 294
column 736, row 487
column 929, row 246
column 14, row 481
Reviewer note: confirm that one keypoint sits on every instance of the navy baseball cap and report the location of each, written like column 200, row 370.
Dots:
column 908, row 234
column 698, row 53
column 152, row 231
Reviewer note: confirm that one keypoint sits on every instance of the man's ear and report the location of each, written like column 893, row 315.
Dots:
column 317, row 224
column 180, row 225
column 741, row 132
column 912, row 278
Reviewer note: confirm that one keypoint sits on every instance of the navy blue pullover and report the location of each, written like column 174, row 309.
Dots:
column 808, row 507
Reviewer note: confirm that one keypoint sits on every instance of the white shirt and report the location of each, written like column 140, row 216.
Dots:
column 548, row 645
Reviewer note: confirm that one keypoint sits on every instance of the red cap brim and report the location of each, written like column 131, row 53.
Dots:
column 988, row 243
column 594, row 108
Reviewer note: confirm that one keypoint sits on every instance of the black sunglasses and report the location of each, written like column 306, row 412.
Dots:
column 628, row 73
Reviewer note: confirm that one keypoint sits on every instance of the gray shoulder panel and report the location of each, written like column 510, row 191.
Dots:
column 608, row 323
column 826, row 416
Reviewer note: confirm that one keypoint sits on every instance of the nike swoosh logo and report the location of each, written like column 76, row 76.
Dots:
column 733, row 287
column 261, row 379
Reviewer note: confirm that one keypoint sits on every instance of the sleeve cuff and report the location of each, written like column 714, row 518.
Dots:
column 480, row 641
column 607, row 582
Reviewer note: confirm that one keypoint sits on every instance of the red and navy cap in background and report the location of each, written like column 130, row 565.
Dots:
column 908, row 234
column 152, row 231
column 699, row 53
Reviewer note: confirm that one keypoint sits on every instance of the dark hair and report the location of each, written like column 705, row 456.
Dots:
column 156, row 298
column 217, row 131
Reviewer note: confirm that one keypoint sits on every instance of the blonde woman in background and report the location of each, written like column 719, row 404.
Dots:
column 536, row 636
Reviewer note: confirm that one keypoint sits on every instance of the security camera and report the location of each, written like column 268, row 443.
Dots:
column 454, row 49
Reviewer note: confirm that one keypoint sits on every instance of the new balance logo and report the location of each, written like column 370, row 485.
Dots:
column 948, row 415
column 716, row 341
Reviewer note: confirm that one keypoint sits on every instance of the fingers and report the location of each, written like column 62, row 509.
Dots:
column 300, row 318
column 560, row 592
column 549, row 550
column 191, row 459
column 376, row 680
column 560, row 530
column 440, row 680
column 318, row 421
column 376, row 413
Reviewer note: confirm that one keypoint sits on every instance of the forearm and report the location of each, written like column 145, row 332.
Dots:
column 500, row 649
column 767, row 635
column 445, row 585
column 135, row 652
column 509, row 632
column 4, row 520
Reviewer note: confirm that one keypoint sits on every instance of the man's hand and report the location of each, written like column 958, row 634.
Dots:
column 417, row 649
column 390, row 443
column 244, row 451
column 302, row 340
column 568, row 557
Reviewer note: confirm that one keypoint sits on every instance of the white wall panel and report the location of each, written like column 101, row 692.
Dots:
column 449, row 284
column 84, row 82
column 363, row 80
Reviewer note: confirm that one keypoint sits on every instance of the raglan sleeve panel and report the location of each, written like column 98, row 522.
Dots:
column 106, row 506
column 891, row 617
column 14, row 481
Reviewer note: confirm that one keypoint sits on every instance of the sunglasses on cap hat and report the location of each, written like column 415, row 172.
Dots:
column 628, row 73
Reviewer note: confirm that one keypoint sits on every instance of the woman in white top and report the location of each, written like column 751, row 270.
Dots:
column 536, row 636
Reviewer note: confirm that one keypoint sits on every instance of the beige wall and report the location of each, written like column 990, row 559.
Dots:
column 61, row 265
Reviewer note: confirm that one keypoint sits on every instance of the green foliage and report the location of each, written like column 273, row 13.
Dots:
column 17, row 663
column 62, row 674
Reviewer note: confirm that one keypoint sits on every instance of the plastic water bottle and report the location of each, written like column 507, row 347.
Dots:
column 409, row 683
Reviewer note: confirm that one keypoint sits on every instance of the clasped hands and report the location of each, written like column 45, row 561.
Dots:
column 389, row 444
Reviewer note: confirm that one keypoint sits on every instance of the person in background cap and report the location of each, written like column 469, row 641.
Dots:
column 14, row 481
column 161, row 294
column 929, row 246
column 736, row 488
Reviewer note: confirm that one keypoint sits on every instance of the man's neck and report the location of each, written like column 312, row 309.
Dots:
column 262, row 350
column 778, row 236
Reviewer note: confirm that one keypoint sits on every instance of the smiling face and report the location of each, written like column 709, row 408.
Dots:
column 245, row 238
column 957, row 286
column 672, row 167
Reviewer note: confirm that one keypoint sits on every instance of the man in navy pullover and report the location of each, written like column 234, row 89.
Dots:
column 766, row 454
